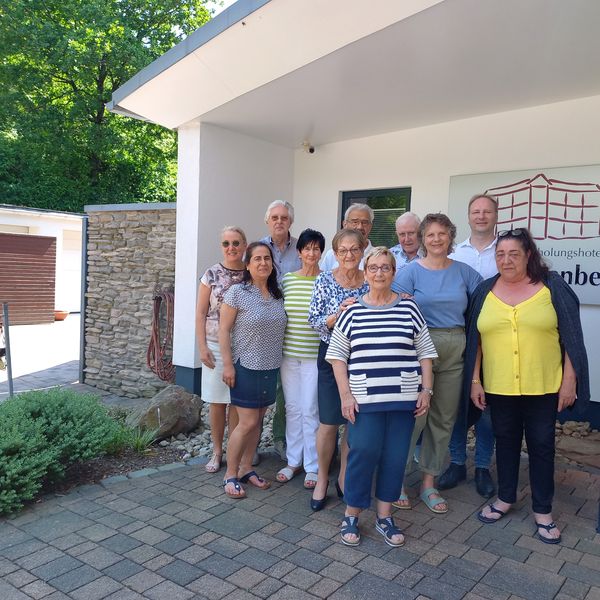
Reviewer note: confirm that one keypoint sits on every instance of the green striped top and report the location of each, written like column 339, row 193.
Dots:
column 301, row 340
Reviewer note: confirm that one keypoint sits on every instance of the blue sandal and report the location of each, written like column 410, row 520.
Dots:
column 493, row 510
column 263, row 484
column 240, row 492
column 387, row 528
column 350, row 526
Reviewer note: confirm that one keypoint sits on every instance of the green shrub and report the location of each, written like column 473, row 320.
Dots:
column 25, row 457
column 76, row 425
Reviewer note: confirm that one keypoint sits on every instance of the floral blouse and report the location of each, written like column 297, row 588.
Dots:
column 326, row 299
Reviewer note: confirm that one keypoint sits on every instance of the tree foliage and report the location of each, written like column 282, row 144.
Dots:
column 60, row 61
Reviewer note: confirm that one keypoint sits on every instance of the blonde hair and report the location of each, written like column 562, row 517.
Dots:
column 380, row 251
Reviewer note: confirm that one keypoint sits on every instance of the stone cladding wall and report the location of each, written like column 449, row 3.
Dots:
column 130, row 251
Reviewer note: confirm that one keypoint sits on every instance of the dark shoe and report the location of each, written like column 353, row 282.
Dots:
column 317, row 505
column 452, row 476
column 543, row 538
column 338, row 490
column 493, row 510
column 484, row 483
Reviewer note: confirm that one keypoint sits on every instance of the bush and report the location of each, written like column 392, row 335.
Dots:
column 42, row 433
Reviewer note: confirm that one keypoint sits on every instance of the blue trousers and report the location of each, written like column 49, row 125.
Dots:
column 378, row 441
column 484, row 439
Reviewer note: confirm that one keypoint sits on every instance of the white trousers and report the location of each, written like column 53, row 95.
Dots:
column 299, row 381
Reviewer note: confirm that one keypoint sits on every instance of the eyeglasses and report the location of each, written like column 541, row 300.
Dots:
column 357, row 222
column 227, row 243
column 518, row 232
column 382, row 268
column 344, row 251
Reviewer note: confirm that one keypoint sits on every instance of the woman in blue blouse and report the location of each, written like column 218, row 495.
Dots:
column 333, row 293
column 441, row 287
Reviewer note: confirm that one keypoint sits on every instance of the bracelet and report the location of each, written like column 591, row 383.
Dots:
column 428, row 390
column 475, row 380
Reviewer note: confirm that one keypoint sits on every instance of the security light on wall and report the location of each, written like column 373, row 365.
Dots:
column 308, row 147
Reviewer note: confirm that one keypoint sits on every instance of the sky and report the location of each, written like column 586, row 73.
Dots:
column 218, row 9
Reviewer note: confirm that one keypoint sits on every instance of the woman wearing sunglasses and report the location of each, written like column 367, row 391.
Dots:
column 213, row 285
column 381, row 353
column 527, row 360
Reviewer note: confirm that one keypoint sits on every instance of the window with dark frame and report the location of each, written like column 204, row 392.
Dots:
column 387, row 204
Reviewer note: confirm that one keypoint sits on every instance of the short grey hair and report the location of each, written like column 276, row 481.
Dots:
column 363, row 207
column 235, row 229
column 380, row 251
column 406, row 216
column 285, row 204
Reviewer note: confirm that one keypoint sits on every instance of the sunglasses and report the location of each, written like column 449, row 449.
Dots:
column 227, row 243
column 518, row 232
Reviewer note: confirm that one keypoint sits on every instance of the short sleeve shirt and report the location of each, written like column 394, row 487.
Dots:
column 483, row 262
column 257, row 334
column 219, row 279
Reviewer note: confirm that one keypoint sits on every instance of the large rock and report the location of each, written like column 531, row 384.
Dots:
column 585, row 451
column 172, row 411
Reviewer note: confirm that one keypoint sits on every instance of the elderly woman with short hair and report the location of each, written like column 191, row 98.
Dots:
column 442, row 288
column 334, row 292
column 381, row 354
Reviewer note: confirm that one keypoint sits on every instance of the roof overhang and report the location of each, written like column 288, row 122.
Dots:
column 328, row 70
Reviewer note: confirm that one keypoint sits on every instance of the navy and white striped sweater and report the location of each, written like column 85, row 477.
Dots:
column 382, row 346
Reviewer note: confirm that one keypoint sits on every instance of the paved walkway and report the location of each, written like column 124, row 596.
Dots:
column 172, row 534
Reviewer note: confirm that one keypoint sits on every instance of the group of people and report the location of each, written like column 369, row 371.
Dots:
column 406, row 347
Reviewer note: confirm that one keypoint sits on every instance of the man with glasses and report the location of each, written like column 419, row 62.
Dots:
column 479, row 252
column 359, row 217
column 279, row 219
column 409, row 246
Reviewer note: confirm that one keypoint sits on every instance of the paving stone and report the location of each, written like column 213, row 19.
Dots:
column 593, row 594
column 588, row 546
column 39, row 557
column 82, row 548
column 180, row 572
column 481, row 557
column 37, row 589
column 433, row 557
column 150, row 535
column 173, row 544
column 246, row 578
column 219, row 566
column 100, row 558
column 569, row 555
column 452, row 548
column 120, row 543
column 314, row 543
column 19, row 578
column 142, row 581
column 56, row 567
column 71, row 580
column 142, row 553
column 284, row 549
column 464, row 568
column 57, row 525
column 67, row 541
column 124, row 594
column 227, row 547
column 8, row 592
column 211, row 587
column 267, row 587
column 309, row 560
column 408, row 578
column 338, row 571
column 434, row 588
column 485, row 591
column 457, row 581
column 158, row 561
column 23, row 549
column 257, row 559
column 194, row 554
column 581, row 573
column 122, row 569
column 98, row 589
column 324, row 588
column 288, row 592
column 591, row 561
column 508, row 550
column 523, row 580
column 366, row 586
column 302, row 578
column 170, row 590
column 402, row 557
column 377, row 566
column 549, row 563
column 291, row 534
column 280, row 569
column 142, row 473
column 575, row 589
column 236, row 524
column 6, row 566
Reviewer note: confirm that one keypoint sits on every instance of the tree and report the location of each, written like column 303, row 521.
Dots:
column 60, row 61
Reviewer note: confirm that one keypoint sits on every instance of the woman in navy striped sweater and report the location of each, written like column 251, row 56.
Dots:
column 381, row 354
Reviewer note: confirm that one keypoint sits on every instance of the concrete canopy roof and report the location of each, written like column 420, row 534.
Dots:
column 329, row 70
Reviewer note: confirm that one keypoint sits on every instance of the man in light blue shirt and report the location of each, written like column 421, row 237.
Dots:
column 479, row 252
column 409, row 246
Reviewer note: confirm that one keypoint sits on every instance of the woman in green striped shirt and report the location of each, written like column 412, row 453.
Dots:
column 299, row 366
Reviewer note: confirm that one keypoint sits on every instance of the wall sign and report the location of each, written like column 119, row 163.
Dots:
column 561, row 208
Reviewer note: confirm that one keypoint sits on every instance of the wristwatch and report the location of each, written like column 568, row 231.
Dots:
column 428, row 390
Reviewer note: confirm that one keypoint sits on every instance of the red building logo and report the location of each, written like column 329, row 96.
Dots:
column 550, row 208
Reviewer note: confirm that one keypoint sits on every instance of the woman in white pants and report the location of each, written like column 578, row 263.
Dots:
column 299, row 367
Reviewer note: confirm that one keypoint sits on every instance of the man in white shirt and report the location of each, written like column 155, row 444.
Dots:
column 360, row 217
column 479, row 252
column 409, row 246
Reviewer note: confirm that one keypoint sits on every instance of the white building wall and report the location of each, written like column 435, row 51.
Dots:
column 68, row 256
column 224, row 178
column 554, row 135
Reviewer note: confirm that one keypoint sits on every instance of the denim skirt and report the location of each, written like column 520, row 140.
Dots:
column 328, row 396
column 253, row 388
